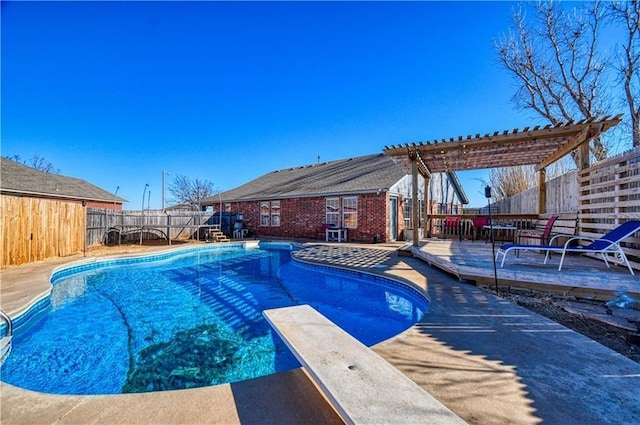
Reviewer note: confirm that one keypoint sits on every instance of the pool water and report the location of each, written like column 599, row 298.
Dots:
column 191, row 319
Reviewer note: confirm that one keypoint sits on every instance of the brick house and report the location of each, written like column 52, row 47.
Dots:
column 368, row 195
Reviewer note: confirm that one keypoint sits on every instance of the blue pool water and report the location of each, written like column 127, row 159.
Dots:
column 190, row 319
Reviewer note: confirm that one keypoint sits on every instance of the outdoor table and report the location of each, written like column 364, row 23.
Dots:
column 339, row 233
column 495, row 227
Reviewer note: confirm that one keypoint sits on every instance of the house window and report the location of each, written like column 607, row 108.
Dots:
column 265, row 211
column 275, row 213
column 442, row 208
column 342, row 212
column 407, row 213
column 332, row 211
column 270, row 213
column 350, row 212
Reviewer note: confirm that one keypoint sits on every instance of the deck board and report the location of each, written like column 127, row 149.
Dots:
column 581, row 276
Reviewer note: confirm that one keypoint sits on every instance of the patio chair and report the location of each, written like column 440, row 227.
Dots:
column 607, row 244
column 542, row 237
column 478, row 226
column 532, row 234
column 452, row 226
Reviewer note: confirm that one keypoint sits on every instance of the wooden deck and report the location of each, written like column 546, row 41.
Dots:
column 581, row 276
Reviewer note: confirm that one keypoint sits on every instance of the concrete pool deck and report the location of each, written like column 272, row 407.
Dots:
column 486, row 359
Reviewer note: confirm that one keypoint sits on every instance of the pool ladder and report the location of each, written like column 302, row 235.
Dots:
column 5, row 341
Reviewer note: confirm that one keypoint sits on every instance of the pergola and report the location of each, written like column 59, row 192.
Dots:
column 538, row 146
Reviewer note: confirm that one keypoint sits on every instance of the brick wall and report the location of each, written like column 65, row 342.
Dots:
column 105, row 205
column 304, row 217
column 434, row 208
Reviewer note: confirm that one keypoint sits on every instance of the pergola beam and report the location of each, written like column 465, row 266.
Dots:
column 538, row 146
column 577, row 140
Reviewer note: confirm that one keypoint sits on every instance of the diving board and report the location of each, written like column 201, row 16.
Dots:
column 361, row 386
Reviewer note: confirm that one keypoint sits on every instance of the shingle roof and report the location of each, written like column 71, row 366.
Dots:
column 364, row 174
column 20, row 179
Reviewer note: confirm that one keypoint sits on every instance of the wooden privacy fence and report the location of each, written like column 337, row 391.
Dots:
column 35, row 229
column 562, row 196
column 609, row 194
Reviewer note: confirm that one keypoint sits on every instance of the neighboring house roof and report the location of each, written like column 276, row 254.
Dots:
column 456, row 183
column 364, row 174
column 16, row 178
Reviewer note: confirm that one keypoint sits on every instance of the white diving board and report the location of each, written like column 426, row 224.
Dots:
column 361, row 386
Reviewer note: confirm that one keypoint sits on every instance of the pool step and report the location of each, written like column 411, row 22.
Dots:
column 5, row 341
column 5, row 348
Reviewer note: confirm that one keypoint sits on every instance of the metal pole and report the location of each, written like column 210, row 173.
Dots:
column 115, row 220
column 143, row 194
column 84, row 208
column 163, row 173
column 115, row 195
column 487, row 194
column 220, row 198
column 142, row 212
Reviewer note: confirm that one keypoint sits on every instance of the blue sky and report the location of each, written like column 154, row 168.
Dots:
column 116, row 92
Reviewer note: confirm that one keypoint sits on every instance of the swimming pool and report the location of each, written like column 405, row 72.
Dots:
column 190, row 318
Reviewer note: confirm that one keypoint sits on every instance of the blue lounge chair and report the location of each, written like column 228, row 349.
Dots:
column 607, row 244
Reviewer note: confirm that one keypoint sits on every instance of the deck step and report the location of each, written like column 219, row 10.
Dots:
column 360, row 385
column 218, row 236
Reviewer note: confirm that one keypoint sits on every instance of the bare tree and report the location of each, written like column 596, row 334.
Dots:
column 190, row 192
column 38, row 162
column 557, row 65
column 628, row 14
column 509, row 181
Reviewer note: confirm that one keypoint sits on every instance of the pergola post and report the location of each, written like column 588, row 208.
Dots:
column 583, row 156
column 583, row 163
column 427, row 203
column 542, row 191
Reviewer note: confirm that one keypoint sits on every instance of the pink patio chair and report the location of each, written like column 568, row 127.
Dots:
column 478, row 226
column 542, row 237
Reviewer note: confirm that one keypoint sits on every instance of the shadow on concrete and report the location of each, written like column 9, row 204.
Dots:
column 284, row 398
column 502, row 363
